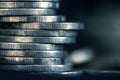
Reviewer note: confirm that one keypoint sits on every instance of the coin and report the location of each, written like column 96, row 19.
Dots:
column 29, row 4
column 31, row 0
column 53, row 18
column 31, row 61
column 14, row 12
column 32, row 53
column 42, row 25
column 37, row 33
column 30, row 46
column 36, row 68
column 45, row 40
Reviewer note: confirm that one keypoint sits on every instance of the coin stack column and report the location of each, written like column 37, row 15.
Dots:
column 32, row 36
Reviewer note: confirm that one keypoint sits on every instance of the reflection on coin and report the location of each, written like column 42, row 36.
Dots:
column 30, row 46
column 14, row 12
column 29, row 4
column 32, row 53
column 57, row 40
column 53, row 18
column 31, row 61
column 36, row 68
column 43, row 25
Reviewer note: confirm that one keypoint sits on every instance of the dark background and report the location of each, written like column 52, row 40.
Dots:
column 102, row 30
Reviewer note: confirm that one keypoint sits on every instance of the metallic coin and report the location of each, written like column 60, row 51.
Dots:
column 32, row 53
column 31, row 61
column 29, row 5
column 37, row 33
column 30, row 0
column 36, row 68
column 41, row 25
column 30, row 46
column 32, row 19
column 14, row 12
column 45, row 40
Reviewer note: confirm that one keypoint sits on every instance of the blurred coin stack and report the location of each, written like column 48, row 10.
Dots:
column 32, row 36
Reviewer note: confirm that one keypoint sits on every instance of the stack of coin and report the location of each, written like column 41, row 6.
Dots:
column 32, row 36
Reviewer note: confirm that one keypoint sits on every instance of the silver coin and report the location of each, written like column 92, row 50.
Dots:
column 32, row 53
column 30, row 0
column 32, row 19
column 36, row 68
column 37, row 33
column 45, row 40
column 42, row 25
column 14, row 12
column 31, row 61
column 30, row 46
column 29, row 4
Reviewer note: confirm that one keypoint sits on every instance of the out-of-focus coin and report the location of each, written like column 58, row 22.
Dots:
column 30, row 0
column 29, row 4
column 36, row 68
column 30, row 46
column 41, row 25
column 31, row 61
column 32, row 53
column 37, row 33
column 53, row 18
column 45, row 40
column 14, row 12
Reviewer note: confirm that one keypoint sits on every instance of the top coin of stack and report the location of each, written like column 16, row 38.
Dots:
column 29, row 5
column 32, row 36
column 30, row 0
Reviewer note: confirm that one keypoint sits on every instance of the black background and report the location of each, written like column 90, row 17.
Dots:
column 91, row 13
column 87, row 12
column 102, row 26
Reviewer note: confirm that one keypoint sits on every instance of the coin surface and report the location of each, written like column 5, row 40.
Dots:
column 46, row 18
column 32, row 53
column 14, row 12
column 30, row 46
column 37, row 33
column 36, row 68
column 31, row 61
column 46, row 40
column 41, row 25
column 29, row 5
